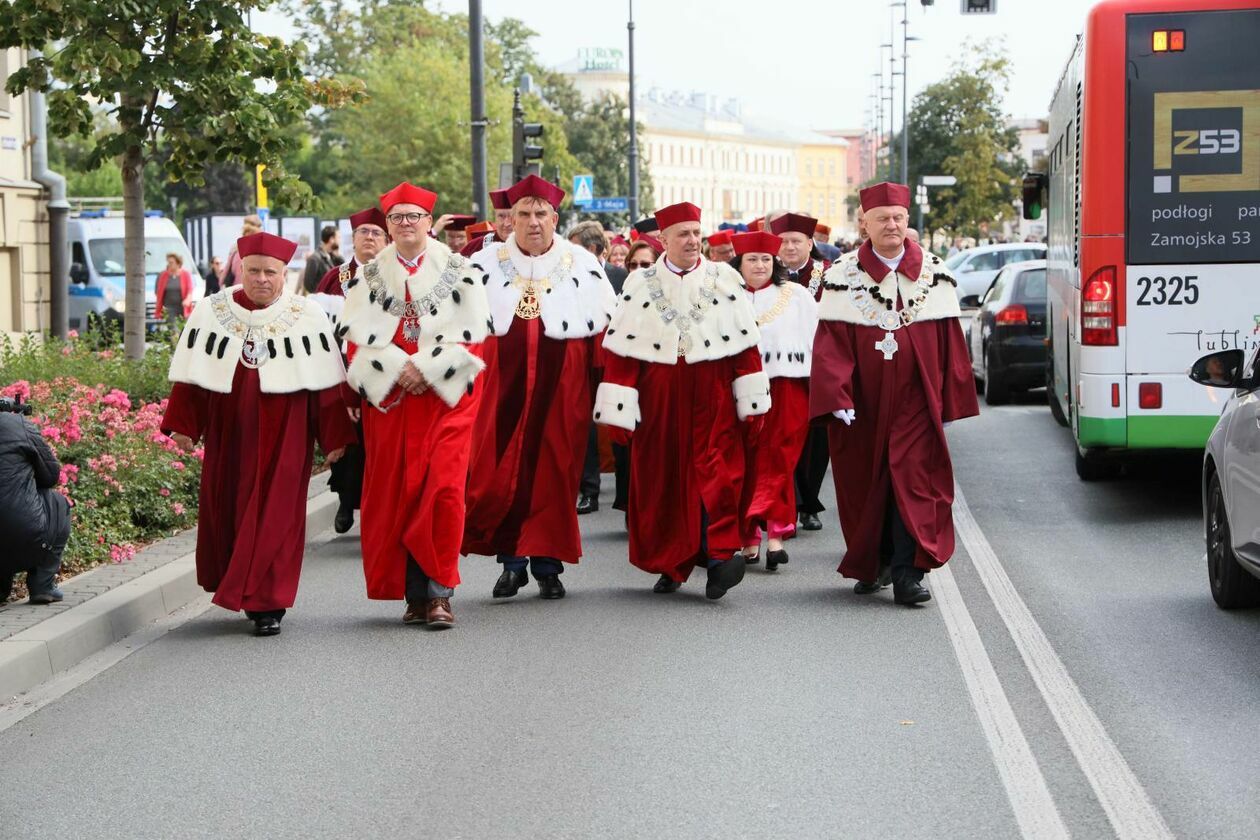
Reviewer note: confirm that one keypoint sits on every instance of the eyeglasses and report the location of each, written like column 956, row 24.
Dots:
column 409, row 218
column 371, row 232
column 639, row 264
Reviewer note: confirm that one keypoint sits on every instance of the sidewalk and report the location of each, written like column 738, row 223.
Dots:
column 110, row 602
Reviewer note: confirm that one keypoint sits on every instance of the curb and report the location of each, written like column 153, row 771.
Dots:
column 38, row 653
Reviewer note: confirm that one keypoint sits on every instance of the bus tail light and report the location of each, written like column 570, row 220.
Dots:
column 1115, row 394
column 1014, row 314
column 1150, row 395
column 1098, row 308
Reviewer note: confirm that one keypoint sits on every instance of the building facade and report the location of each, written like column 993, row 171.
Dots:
column 701, row 149
column 23, row 217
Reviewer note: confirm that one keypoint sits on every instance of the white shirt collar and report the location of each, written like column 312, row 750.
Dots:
column 892, row 262
column 670, row 265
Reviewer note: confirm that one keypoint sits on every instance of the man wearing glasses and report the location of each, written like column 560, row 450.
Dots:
column 368, row 237
column 549, row 300
column 414, row 319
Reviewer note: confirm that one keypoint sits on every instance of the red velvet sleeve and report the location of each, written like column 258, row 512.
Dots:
column 958, row 385
column 748, row 361
column 834, row 366
column 332, row 425
column 187, row 411
column 618, row 370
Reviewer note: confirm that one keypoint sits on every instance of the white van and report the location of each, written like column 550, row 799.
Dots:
column 97, row 275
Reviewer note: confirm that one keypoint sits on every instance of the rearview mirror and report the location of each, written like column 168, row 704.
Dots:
column 1222, row 369
column 78, row 273
column 1032, row 190
column 969, row 302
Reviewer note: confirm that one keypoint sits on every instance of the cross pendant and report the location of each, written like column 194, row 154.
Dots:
column 888, row 346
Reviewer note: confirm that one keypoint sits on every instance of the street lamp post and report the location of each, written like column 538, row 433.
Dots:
column 476, row 63
column 633, row 154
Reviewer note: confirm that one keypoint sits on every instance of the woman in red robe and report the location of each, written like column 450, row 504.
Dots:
column 257, row 378
column 890, row 369
column 681, row 371
column 787, row 317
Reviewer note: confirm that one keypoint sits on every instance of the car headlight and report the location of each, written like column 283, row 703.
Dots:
column 119, row 306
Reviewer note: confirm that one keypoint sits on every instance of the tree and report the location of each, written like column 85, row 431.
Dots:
column 957, row 128
column 194, row 75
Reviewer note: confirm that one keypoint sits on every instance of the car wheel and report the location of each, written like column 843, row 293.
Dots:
column 1233, row 587
column 996, row 391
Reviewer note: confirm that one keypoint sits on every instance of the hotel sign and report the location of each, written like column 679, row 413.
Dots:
column 598, row 59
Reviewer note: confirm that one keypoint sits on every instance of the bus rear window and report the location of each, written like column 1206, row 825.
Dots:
column 1194, row 140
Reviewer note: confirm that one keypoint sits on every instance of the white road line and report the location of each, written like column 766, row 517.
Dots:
column 1026, row 788
column 1132, row 814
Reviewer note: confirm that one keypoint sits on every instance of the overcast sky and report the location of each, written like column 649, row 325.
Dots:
column 803, row 63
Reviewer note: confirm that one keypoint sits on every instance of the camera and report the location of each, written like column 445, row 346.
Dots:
column 14, row 406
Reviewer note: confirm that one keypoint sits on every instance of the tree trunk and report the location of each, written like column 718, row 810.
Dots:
column 133, row 251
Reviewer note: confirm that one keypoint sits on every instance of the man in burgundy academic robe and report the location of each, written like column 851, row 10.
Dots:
column 414, row 320
column 890, row 370
column 681, row 372
column 368, row 237
column 257, row 377
column 549, row 300
column 798, row 255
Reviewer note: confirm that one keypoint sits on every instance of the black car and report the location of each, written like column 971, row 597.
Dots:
column 1007, row 333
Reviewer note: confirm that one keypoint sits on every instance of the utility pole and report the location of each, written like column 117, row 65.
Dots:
column 476, row 63
column 892, row 92
column 633, row 154
column 905, row 91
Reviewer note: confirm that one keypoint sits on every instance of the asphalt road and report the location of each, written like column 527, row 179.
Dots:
column 792, row 708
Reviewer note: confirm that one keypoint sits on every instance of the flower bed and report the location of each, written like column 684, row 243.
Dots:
column 128, row 483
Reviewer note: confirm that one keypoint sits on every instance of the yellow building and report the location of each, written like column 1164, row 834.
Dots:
column 821, row 168
column 23, row 217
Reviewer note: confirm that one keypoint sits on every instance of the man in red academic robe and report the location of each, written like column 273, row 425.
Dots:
column 368, row 237
column 414, row 320
column 796, row 230
column 681, row 371
column 890, row 370
column 720, row 247
column 549, row 299
column 257, row 377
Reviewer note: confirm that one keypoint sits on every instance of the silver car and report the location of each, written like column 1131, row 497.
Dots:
column 975, row 268
column 1231, row 480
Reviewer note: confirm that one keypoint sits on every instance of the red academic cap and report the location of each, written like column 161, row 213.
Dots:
column 618, row 240
column 719, row 237
column 372, row 216
column 531, row 186
column 676, row 213
column 794, row 223
column 460, row 222
column 406, row 193
column 756, row 224
column 267, row 245
column 825, row 230
column 757, row 242
column 886, row 194
column 499, row 199
column 480, row 228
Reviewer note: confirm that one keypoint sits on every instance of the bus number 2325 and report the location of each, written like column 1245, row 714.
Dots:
column 1171, row 291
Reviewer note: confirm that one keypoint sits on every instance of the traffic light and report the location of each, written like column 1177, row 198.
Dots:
column 523, row 152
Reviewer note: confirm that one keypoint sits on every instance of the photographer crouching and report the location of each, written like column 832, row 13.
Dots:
column 34, row 517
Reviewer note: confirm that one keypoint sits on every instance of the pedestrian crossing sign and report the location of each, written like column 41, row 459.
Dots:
column 583, row 189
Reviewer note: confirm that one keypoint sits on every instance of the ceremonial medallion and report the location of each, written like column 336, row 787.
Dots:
column 253, row 351
column 528, row 307
column 888, row 346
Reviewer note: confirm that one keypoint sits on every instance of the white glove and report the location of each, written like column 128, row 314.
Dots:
column 846, row 414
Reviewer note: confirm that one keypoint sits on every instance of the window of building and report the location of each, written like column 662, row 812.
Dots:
column 4, row 77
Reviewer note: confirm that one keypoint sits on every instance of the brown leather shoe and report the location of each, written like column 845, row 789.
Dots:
column 416, row 614
column 439, row 613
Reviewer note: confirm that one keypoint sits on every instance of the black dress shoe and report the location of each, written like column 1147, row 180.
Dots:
column 870, row 587
column 722, row 577
column 753, row 559
column 811, row 522
column 775, row 559
column 509, row 583
column 550, row 587
column 910, row 592
column 665, row 585
column 344, row 520
column 267, row 626
column 587, row 504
